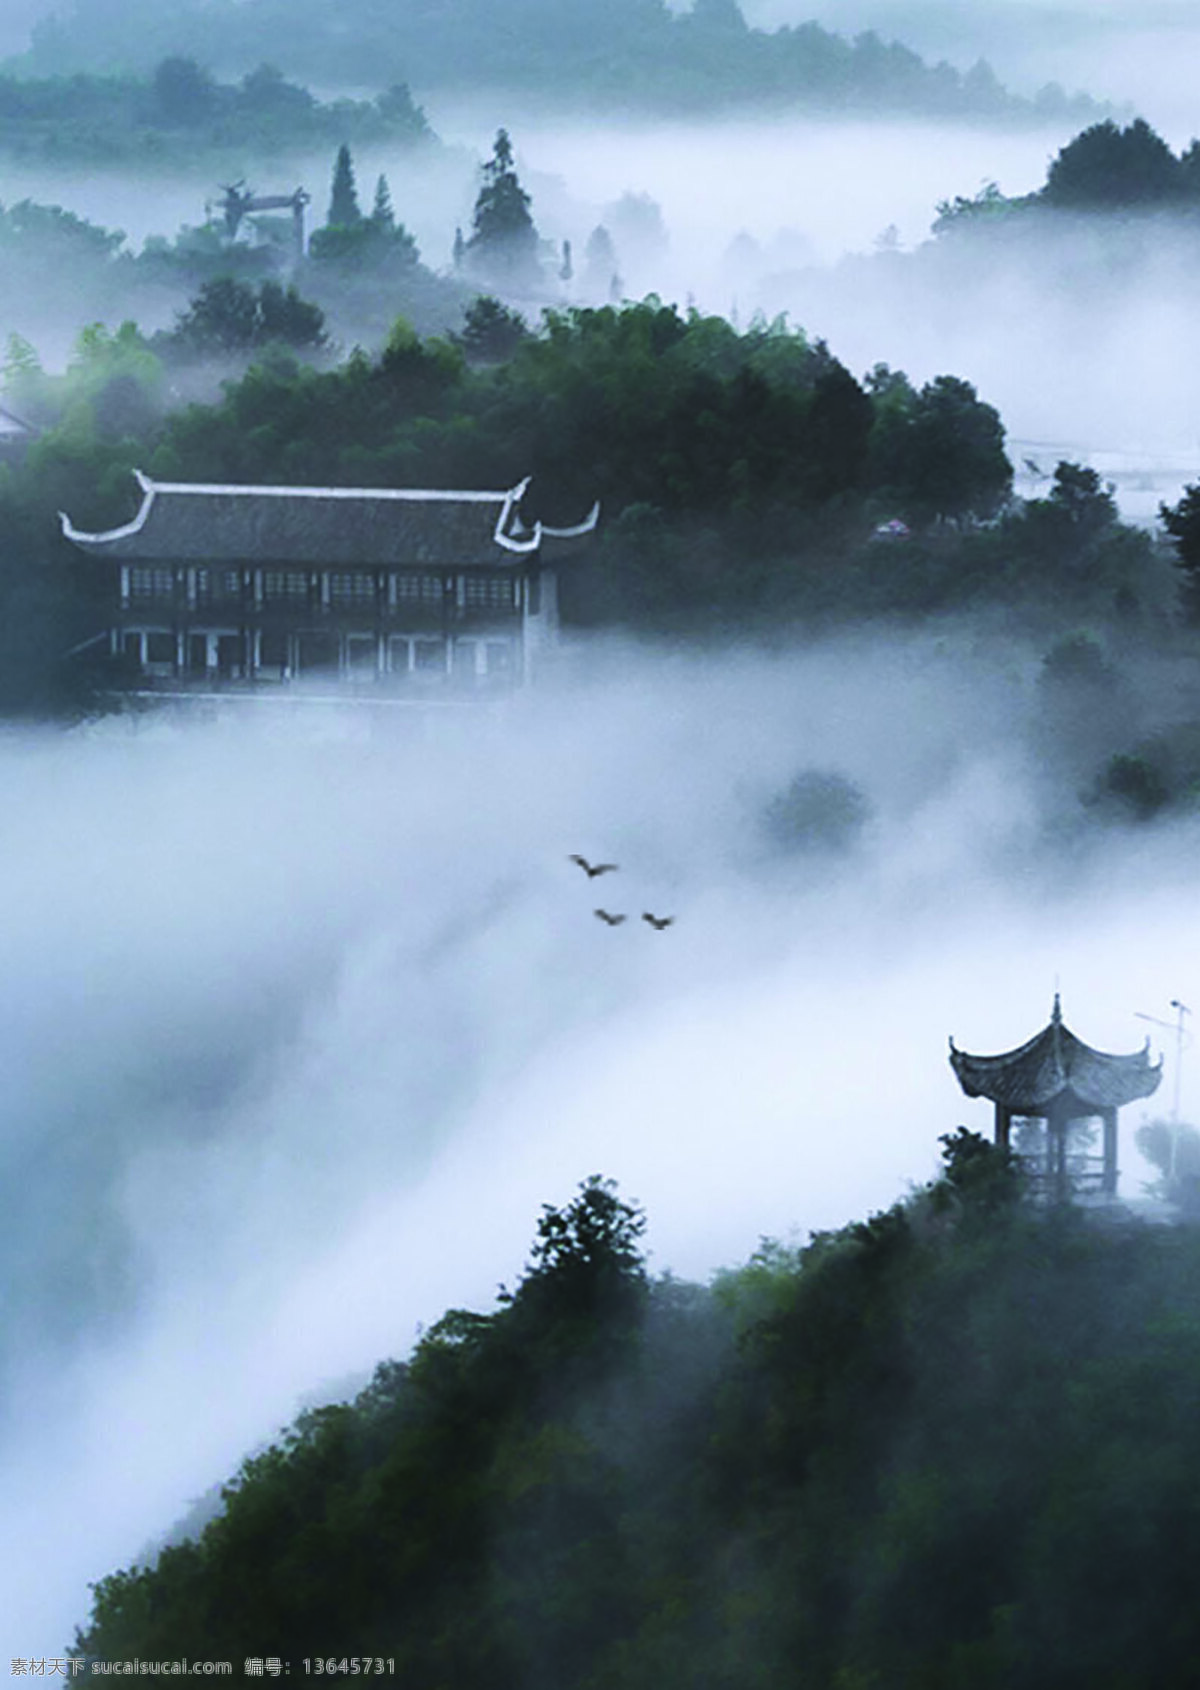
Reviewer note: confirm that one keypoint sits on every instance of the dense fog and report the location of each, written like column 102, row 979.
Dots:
column 305, row 1020
column 1086, row 356
column 303, row 1027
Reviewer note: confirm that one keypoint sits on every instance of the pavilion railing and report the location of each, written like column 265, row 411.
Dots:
column 1084, row 1174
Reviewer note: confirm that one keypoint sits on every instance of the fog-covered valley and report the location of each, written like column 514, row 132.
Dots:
column 308, row 1012
column 300, row 1035
column 1082, row 336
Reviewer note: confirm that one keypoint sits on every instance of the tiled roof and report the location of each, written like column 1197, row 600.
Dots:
column 192, row 522
column 1055, row 1064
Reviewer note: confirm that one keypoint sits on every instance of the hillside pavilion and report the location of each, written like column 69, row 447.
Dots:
column 1057, row 1080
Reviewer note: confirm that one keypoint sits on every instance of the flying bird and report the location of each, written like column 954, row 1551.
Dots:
column 658, row 922
column 612, row 920
column 593, row 869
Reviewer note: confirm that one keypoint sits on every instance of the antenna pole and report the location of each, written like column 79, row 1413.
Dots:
column 1181, row 1009
column 1181, row 1043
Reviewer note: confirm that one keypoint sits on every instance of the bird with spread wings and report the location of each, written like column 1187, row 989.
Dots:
column 593, row 869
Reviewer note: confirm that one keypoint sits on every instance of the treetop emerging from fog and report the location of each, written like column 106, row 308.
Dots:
column 922, row 1434
column 1105, row 168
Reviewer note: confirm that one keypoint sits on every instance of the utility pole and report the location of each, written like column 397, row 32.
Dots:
column 1177, row 1027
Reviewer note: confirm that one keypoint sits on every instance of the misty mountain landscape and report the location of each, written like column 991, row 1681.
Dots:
column 488, row 1201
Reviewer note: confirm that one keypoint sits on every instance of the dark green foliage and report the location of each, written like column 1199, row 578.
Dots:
column 504, row 243
column 741, row 476
column 988, row 207
column 1132, row 785
column 1108, row 168
column 1079, row 498
column 940, row 453
column 184, row 93
column 364, row 269
column 820, row 811
column 382, row 214
column 344, row 210
column 1077, row 660
column 375, row 247
column 948, row 1447
column 587, row 1262
column 1182, row 523
column 229, row 316
column 979, row 1173
column 491, row 331
column 268, row 92
column 288, row 320
column 1085, row 711
column 1105, row 170
column 180, row 112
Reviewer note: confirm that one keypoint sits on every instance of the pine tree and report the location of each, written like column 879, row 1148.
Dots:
column 382, row 215
column 599, row 264
column 504, row 242
column 344, row 212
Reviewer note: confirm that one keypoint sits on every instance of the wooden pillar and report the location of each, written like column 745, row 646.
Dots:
column 1109, row 1117
column 1003, row 1124
column 1056, row 1154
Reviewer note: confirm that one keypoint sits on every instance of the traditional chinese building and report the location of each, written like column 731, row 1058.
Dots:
column 1053, row 1091
column 374, row 589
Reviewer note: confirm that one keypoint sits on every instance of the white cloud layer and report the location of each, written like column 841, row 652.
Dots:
column 298, row 1036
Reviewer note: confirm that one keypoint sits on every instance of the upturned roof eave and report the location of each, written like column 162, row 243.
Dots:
column 481, row 543
column 1055, row 1064
column 151, row 489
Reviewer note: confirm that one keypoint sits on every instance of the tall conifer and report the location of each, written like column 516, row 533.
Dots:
column 344, row 211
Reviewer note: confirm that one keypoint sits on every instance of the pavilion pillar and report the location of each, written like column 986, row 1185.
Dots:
column 1109, row 1117
column 1003, row 1123
column 1056, row 1154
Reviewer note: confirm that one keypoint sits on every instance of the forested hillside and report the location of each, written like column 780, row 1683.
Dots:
column 1105, row 170
column 633, row 55
column 743, row 477
column 946, row 1448
column 177, row 115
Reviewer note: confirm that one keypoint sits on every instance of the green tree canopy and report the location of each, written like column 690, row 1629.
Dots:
column 1106, row 167
column 1182, row 523
column 344, row 211
column 184, row 93
column 382, row 214
column 940, row 453
column 491, row 331
column 503, row 242
column 230, row 316
column 914, row 1452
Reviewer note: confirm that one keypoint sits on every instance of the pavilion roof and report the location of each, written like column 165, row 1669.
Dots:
column 330, row 527
column 1055, row 1065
